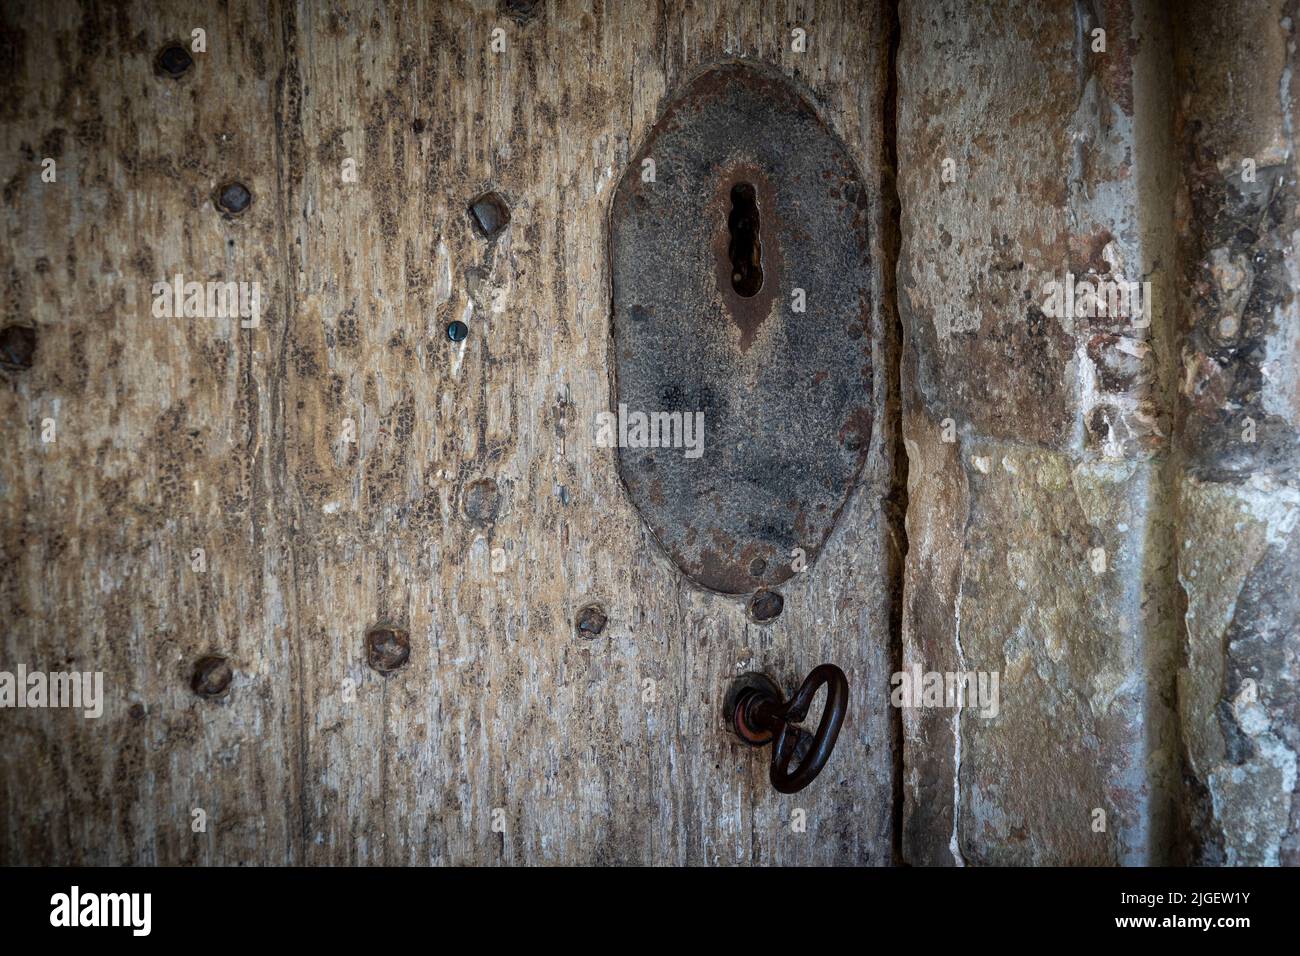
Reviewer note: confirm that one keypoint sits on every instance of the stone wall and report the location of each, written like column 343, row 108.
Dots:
column 1101, row 506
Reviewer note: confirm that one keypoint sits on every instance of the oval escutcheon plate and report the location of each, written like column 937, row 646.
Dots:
column 741, row 281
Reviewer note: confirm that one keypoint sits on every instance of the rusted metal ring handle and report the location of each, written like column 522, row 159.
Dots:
column 760, row 716
column 794, row 711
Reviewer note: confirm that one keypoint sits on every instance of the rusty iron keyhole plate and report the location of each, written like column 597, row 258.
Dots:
column 786, row 395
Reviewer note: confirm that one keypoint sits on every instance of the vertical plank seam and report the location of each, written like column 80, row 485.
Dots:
column 896, row 514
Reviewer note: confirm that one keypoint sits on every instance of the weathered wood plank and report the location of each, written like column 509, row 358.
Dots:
column 459, row 450
column 166, row 441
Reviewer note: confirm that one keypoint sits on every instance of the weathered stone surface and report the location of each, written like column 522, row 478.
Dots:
column 1239, row 436
column 1005, row 577
column 1016, row 166
column 1051, row 596
column 1198, row 531
column 1038, row 533
column 936, row 519
column 1240, row 377
column 1239, row 690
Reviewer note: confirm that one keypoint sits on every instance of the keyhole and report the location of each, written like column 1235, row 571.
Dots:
column 745, row 250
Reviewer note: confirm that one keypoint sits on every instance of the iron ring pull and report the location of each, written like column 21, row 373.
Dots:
column 761, row 710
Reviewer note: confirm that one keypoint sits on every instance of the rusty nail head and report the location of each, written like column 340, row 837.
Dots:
column 765, row 606
column 212, row 676
column 521, row 11
column 387, row 647
column 17, row 346
column 173, row 60
column 232, row 198
column 591, row 621
column 490, row 214
column 482, row 501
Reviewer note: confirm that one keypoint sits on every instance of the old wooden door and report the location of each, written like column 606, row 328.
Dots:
column 268, row 489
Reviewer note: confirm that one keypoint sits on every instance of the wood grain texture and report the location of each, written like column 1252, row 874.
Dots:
column 183, row 433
